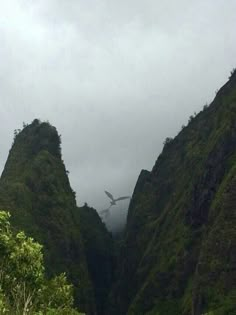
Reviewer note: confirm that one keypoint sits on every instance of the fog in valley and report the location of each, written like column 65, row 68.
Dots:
column 115, row 78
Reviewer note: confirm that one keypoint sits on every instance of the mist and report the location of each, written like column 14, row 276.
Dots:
column 115, row 78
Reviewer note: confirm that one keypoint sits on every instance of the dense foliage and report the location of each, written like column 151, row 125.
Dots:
column 35, row 189
column 24, row 289
column 179, row 254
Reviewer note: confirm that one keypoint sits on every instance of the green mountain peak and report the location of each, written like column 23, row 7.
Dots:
column 35, row 188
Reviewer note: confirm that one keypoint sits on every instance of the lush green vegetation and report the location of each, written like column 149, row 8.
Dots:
column 179, row 251
column 24, row 288
column 35, row 189
column 178, row 254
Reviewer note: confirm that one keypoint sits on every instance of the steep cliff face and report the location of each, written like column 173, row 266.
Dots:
column 179, row 253
column 35, row 188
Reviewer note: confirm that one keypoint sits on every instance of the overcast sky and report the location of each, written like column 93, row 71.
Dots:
column 115, row 77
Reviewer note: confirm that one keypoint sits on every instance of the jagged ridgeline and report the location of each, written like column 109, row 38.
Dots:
column 179, row 254
column 35, row 188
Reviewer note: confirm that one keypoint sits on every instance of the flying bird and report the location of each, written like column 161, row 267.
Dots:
column 113, row 200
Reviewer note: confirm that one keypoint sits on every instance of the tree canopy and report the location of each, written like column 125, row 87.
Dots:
column 24, row 289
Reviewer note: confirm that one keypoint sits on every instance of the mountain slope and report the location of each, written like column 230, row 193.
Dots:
column 35, row 188
column 179, row 253
column 99, row 249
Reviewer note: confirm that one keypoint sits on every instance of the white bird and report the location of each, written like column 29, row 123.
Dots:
column 113, row 200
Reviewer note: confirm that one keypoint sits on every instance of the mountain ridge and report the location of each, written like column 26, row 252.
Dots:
column 172, row 215
column 178, row 251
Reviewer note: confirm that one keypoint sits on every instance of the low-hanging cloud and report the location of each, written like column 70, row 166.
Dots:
column 115, row 78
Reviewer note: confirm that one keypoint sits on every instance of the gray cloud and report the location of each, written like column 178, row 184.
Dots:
column 115, row 77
